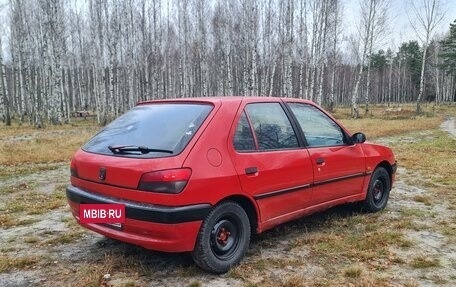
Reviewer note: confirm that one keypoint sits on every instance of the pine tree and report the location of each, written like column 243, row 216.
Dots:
column 448, row 51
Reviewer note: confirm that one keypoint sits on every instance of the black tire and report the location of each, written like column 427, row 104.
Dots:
column 223, row 238
column 378, row 190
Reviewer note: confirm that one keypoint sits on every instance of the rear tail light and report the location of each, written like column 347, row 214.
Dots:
column 165, row 181
column 73, row 169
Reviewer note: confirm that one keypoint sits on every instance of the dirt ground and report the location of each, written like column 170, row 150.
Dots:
column 49, row 257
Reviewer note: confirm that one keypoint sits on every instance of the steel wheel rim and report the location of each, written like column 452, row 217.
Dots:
column 224, row 238
column 378, row 192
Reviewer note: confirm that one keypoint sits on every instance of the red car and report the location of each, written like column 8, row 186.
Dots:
column 200, row 175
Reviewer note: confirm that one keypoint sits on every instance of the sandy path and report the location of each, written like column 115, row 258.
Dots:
column 449, row 126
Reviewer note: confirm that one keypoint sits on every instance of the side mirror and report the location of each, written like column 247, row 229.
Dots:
column 358, row 138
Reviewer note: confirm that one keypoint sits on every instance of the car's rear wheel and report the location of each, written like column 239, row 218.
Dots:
column 378, row 192
column 223, row 238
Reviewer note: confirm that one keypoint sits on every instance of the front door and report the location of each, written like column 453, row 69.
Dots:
column 339, row 166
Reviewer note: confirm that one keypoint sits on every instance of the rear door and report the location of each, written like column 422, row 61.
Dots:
column 271, row 162
column 339, row 167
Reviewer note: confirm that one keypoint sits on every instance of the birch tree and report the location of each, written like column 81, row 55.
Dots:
column 372, row 22
column 4, row 89
column 335, row 41
column 378, row 28
column 424, row 18
column 287, row 9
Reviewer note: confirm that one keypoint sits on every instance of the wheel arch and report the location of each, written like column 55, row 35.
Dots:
column 386, row 165
column 249, row 207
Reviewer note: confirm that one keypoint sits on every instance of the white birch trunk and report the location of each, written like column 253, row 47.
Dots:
column 422, row 82
column 322, row 60
column 229, row 74
column 4, row 90
column 390, row 80
column 271, row 85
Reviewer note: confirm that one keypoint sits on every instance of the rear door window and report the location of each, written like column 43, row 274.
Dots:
column 272, row 128
column 164, row 126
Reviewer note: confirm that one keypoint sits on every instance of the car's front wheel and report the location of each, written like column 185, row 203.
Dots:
column 378, row 192
column 223, row 238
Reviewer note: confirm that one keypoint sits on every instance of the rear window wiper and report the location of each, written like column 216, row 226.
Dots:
column 133, row 148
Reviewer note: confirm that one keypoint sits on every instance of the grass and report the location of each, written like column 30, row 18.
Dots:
column 354, row 271
column 31, row 239
column 8, row 220
column 426, row 200
column 364, row 246
column 20, row 170
column 34, row 202
column 294, row 281
column 22, row 145
column 22, row 186
column 65, row 237
column 434, row 156
column 414, row 212
column 424, row 262
column 8, row 263
column 23, row 203
column 373, row 125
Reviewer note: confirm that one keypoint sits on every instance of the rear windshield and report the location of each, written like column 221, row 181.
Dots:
column 168, row 127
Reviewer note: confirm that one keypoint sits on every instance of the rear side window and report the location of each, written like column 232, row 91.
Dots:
column 168, row 127
column 271, row 126
column 243, row 139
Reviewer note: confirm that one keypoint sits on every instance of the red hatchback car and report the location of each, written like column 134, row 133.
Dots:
column 200, row 175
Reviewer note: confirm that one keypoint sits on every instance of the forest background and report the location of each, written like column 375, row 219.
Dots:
column 103, row 56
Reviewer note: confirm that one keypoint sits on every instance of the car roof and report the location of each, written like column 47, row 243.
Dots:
column 228, row 99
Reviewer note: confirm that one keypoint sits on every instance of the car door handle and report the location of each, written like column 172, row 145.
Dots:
column 320, row 160
column 251, row 170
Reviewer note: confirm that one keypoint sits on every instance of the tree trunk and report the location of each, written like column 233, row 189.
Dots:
column 390, row 81
column 4, row 90
column 420, row 94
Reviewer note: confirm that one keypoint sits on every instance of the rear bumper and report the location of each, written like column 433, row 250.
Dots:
column 161, row 228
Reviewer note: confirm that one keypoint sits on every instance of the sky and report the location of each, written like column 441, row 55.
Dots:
column 400, row 28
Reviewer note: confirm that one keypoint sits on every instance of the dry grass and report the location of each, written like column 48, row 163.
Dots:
column 22, row 169
column 434, row 156
column 22, row 145
column 294, row 281
column 8, row 220
column 65, row 238
column 24, row 203
column 117, row 265
column 354, row 271
column 35, row 202
column 22, row 186
column 375, row 127
column 362, row 246
column 91, row 273
column 195, row 284
column 7, row 263
column 424, row 262
column 380, row 124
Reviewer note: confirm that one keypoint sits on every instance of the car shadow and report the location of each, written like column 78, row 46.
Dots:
column 309, row 223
